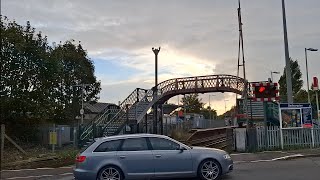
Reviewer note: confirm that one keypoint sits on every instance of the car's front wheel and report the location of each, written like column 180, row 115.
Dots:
column 110, row 173
column 209, row 170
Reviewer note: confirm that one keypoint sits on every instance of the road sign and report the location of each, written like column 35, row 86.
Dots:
column 295, row 115
column 81, row 111
column 53, row 137
column 265, row 91
column 315, row 85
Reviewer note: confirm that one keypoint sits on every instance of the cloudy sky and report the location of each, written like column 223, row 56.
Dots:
column 197, row 37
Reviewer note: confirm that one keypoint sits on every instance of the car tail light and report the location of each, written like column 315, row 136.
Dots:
column 80, row 159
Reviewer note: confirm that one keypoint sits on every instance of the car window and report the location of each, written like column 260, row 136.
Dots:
column 134, row 144
column 86, row 147
column 163, row 144
column 108, row 146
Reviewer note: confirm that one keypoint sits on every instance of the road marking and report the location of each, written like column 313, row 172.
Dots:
column 237, row 162
column 240, row 154
column 237, row 154
column 18, row 170
column 270, row 160
column 290, row 156
column 26, row 177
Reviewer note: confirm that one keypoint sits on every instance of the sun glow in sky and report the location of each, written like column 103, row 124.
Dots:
column 196, row 38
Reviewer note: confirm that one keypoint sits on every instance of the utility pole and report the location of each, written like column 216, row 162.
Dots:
column 287, row 56
column 155, row 91
column 210, row 108
column 82, row 86
column 210, row 116
column 241, row 49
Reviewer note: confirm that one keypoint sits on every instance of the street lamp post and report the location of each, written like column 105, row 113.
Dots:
column 155, row 92
column 307, row 71
column 273, row 72
column 225, row 110
column 210, row 106
column 225, row 105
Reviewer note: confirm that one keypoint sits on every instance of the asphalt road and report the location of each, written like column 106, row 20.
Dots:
column 297, row 169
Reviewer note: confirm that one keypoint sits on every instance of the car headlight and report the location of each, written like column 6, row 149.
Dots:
column 226, row 156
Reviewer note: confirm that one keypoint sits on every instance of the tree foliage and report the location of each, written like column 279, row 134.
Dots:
column 297, row 82
column 37, row 79
column 209, row 113
column 193, row 104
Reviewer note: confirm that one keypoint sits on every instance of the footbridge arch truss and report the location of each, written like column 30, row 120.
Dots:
column 137, row 104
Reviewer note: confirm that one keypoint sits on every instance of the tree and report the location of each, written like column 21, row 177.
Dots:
column 37, row 79
column 209, row 113
column 229, row 113
column 301, row 96
column 192, row 103
column 297, row 82
column 74, row 68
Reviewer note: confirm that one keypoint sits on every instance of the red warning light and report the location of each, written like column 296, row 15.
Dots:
column 261, row 89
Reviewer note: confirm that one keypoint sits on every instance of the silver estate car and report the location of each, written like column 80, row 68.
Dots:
column 149, row 156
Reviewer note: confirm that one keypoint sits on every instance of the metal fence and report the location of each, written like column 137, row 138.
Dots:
column 65, row 134
column 292, row 138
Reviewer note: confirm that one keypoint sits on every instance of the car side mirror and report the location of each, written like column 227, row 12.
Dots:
column 181, row 148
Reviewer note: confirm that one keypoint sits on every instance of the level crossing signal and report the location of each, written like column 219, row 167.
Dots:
column 265, row 91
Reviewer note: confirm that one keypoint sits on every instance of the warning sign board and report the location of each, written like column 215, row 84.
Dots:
column 53, row 138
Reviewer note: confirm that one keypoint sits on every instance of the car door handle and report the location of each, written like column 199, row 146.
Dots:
column 122, row 157
column 158, row 156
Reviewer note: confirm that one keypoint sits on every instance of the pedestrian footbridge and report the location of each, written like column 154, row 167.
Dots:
column 139, row 102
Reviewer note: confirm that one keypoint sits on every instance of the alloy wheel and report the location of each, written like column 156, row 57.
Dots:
column 110, row 173
column 210, row 170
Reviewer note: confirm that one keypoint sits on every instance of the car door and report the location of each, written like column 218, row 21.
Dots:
column 136, row 158
column 169, row 161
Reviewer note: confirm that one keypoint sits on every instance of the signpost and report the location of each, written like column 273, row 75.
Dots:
column 296, row 115
column 315, row 87
column 53, row 137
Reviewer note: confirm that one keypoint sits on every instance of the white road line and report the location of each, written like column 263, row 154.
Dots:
column 237, row 154
column 270, row 160
column 26, row 177
column 286, row 157
column 18, row 170
column 240, row 154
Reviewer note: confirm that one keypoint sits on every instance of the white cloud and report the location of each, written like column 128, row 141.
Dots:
column 197, row 37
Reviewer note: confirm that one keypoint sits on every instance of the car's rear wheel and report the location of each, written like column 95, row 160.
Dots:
column 209, row 170
column 110, row 173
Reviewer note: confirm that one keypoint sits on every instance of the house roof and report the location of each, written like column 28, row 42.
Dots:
column 97, row 107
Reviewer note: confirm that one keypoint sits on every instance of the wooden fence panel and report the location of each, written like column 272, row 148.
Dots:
column 297, row 137
column 316, row 133
column 292, row 138
column 260, row 137
column 273, row 138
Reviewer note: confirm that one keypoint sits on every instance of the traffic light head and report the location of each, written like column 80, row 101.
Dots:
column 262, row 89
column 265, row 91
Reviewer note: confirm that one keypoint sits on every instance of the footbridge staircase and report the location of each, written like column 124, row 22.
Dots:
column 139, row 102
